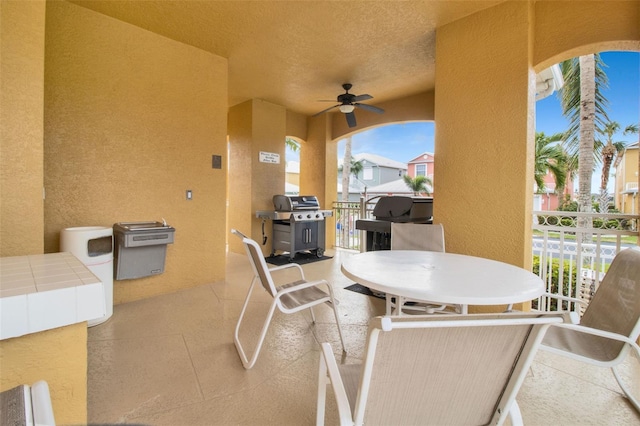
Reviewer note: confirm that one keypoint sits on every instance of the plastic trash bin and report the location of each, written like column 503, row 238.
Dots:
column 93, row 246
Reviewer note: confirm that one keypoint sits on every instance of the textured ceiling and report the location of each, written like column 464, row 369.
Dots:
column 294, row 53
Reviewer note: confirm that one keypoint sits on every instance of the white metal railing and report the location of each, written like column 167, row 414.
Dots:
column 572, row 251
column 346, row 214
column 631, row 185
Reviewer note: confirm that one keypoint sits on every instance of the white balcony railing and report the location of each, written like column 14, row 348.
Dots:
column 572, row 251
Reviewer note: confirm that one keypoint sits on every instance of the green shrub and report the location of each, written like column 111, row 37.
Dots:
column 555, row 272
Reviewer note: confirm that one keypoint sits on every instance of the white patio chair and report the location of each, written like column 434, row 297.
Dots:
column 417, row 236
column 435, row 370
column 610, row 325
column 287, row 298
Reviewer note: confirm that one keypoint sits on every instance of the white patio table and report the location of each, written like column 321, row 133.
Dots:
column 443, row 277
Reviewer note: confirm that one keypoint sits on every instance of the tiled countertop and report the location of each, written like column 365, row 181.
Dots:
column 41, row 292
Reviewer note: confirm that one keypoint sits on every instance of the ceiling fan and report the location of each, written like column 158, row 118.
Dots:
column 348, row 102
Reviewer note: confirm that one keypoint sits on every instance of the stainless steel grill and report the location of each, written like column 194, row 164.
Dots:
column 298, row 224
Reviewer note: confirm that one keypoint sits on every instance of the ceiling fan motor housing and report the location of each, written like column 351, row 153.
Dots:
column 346, row 98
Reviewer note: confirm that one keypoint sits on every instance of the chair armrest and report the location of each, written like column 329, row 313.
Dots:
column 601, row 333
column 565, row 298
column 300, row 286
column 574, row 315
column 287, row 266
column 344, row 409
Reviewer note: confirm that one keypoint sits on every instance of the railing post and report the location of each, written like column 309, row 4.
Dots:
column 363, row 234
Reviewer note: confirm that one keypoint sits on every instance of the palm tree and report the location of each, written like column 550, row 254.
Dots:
column 346, row 169
column 356, row 167
column 584, row 105
column 292, row 144
column 612, row 153
column 418, row 184
column 550, row 158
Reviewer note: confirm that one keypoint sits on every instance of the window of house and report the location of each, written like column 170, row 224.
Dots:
column 421, row 169
column 367, row 173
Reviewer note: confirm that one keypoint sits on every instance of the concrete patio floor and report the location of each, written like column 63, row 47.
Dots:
column 170, row 360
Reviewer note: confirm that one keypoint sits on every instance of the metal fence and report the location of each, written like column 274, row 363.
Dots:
column 572, row 251
column 346, row 214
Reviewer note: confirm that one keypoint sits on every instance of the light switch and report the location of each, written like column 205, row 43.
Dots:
column 189, row 194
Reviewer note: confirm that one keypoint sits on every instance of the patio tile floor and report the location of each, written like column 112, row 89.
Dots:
column 170, row 360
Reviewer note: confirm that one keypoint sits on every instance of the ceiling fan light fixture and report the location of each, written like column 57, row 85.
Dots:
column 347, row 108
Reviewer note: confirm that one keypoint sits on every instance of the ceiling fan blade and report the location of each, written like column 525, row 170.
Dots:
column 351, row 119
column 370, row 108
column 362, row 98
column 325, row 110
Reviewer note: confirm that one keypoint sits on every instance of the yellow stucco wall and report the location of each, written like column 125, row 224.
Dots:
column 59, row 357
column 21, row 129
column 296, row 125
column 132, row 120
column 240, row 159
column 565, row 29
column 255, row 126
column 484, row 134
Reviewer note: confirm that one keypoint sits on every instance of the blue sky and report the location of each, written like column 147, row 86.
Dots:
column 403, row 142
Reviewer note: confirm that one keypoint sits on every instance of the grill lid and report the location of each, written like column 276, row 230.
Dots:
column 392, row 207
column 286, row 203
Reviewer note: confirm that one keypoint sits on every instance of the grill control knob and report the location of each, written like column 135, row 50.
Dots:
column 318, row 215
column 309, row 216
column 299, row 216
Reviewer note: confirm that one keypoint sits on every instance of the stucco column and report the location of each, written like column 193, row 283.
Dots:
column 319, row 169
column 21, row 127
column 254, row 126
column 484, row 108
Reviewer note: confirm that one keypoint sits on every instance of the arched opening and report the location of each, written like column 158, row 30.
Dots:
column 619, row 93
column 292, row 150
column 381, row 156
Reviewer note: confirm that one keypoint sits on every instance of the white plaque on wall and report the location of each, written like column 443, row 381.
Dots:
column 269, row 157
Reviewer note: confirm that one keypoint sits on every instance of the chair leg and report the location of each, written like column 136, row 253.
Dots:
column 323, row 381
column 249, row 363
column 313, row 316
column 334, row 307
column 625, row 389
column 388, row 304
column 515, row 415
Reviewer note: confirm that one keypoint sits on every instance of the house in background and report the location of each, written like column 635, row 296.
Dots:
column 292, row 178
column 548, row 199
column 422, row 165
column 396, row 187
column 626, row 184
column 376, row 170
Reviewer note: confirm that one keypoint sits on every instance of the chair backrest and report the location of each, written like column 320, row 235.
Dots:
column 462, row 370
column 417, row 236
column 615, row 306
column 258, row 264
